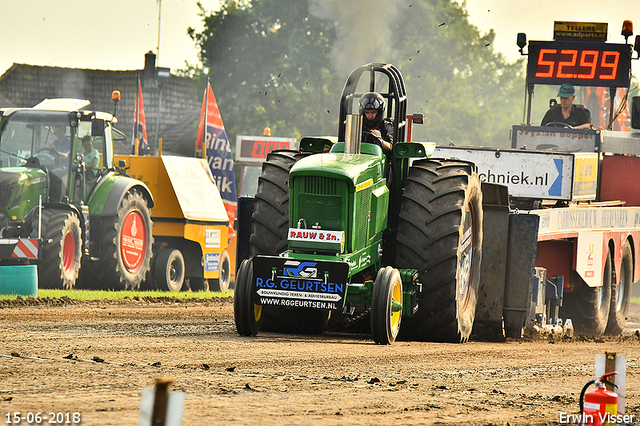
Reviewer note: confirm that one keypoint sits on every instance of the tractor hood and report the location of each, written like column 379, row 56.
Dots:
column 356, row 169
column 19, row 190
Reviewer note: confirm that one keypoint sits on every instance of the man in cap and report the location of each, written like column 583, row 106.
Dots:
column 572, row 116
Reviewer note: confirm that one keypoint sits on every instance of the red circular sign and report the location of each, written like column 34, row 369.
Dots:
column 133, row 240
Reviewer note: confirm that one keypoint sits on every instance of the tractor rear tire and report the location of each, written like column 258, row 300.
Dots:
column 61, row 250
column 588, row 308
column 247, row 314
column 440, row 235
column 126, row 243
column 621, row 294
column 169, row 270
column 269, row 228
column 224, row 277
column 385, row 323
column 270, row 219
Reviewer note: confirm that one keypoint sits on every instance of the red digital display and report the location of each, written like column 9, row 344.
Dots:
column 582, row 64
column 256, row 148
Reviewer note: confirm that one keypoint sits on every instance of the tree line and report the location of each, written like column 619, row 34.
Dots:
column 283, row 64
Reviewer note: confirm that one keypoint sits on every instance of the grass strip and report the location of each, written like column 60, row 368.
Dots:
column 125, row 294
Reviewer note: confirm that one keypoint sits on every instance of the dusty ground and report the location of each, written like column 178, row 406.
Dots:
column 94, row 358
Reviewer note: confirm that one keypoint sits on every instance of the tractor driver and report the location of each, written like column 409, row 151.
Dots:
column 572, row 116
column 375, row 127
column 62, row 144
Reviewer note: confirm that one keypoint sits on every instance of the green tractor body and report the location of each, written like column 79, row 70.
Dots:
column 342, row 233
column 69, row 213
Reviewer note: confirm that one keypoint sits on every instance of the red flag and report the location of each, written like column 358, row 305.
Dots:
column 218, row 153
column 139, row 126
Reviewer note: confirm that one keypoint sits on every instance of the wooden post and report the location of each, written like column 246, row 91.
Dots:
column 610, row 367
column 160, row 402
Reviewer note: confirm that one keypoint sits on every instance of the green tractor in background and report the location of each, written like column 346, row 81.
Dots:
column 70, row 218
column 340, row 233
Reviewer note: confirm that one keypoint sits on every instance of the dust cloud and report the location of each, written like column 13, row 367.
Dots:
column 363, row 29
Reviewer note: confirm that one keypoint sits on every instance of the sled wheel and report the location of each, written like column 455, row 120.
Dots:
column 169, row 270
column 61, row 250
column 247, row 314
column 386, row 306
column 440, row 234
column 125, row 250
column 222, row 283
column 621, row 294
column 588, row 308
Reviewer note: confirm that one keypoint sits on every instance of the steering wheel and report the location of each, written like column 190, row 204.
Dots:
column 52, row 152
column 558, row 124
column 48, row 156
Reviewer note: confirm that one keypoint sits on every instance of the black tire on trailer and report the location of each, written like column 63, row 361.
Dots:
column 61, row 250
column 125, row 249
column 440, row 234
column 169, row 270
column 588, row 308
column 621, row 294
column 247, row 315
column 385, row 320
column 222, row 283
column 269, row 227
column 199, row 284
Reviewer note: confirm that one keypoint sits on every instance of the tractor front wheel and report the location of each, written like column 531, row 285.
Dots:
column 61, row 251
column 247, row 315
column 386, row 306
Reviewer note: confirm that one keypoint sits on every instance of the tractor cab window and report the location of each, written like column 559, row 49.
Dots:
column 25, row 135
column 91, row 148
column 41, row 139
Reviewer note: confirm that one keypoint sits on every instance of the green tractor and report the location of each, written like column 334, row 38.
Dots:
column 340, row 233
column 70, row 216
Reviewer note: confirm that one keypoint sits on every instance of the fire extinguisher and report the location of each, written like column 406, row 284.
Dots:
column 599, row 406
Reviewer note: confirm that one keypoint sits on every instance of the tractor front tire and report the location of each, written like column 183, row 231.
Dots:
column 61, row 250
column 440, row 235
column 126, row 243
column 247, row 314
column 385, row 316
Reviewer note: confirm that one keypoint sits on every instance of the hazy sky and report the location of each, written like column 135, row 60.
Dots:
column 115, row 34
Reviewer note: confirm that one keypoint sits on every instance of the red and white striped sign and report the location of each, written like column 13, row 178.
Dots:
column 26, row 248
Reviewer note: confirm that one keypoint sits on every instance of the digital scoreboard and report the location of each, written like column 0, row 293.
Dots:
column 579, row 63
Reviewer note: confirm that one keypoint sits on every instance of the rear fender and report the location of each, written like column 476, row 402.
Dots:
column 107, row 196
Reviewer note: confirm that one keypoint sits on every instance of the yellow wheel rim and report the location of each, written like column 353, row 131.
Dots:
column 257, row 312
column 395, row 316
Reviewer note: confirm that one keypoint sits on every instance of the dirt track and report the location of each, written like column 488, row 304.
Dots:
column 95, row 357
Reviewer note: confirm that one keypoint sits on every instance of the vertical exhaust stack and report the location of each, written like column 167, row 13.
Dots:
column 353, row 134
